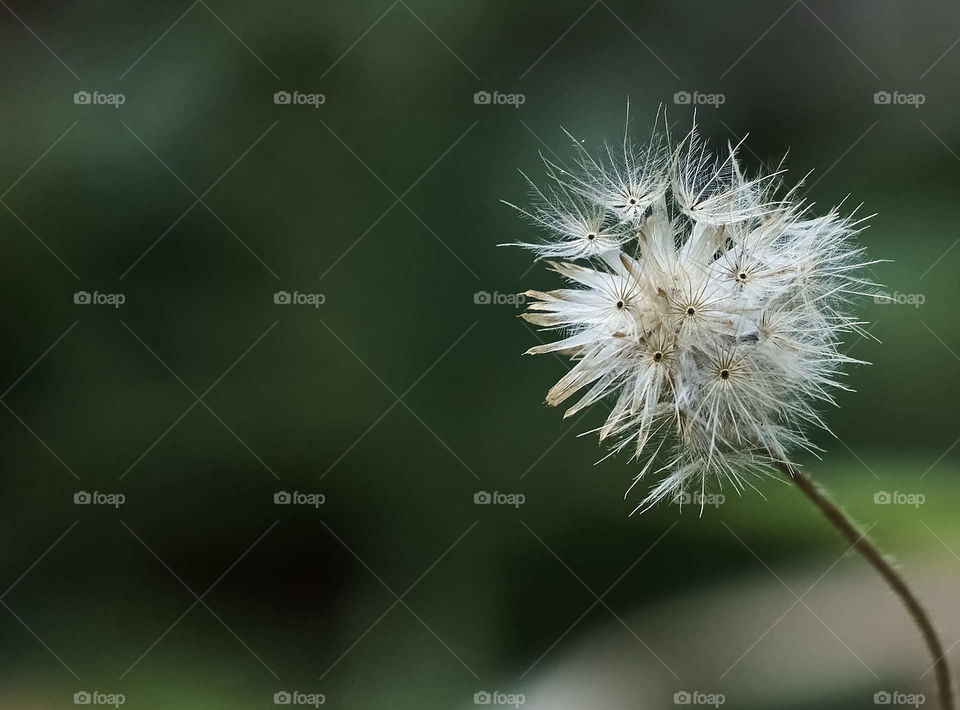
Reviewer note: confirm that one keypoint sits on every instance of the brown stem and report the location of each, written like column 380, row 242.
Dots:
column 873, row 556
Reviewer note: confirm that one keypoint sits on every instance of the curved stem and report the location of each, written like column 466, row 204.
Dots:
column 896, row 582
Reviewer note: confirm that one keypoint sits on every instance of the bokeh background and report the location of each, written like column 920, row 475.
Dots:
column 401, row 397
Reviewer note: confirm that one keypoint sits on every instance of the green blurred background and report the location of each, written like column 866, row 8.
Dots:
column 401, row 397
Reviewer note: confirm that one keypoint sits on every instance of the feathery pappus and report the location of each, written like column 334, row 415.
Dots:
column 703, row 310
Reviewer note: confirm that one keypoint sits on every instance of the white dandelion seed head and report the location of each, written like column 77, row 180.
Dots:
column 705, row 312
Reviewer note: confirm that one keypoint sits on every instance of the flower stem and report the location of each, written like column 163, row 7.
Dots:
column 896, row 582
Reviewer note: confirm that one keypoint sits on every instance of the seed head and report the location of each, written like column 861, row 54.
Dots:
column 706, row 312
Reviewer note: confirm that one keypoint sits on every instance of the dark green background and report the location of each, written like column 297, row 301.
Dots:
column 317, row 396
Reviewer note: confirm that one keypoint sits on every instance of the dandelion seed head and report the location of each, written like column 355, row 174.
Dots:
column 704, row 311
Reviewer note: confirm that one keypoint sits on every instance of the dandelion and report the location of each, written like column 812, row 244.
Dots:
column 705, row 311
